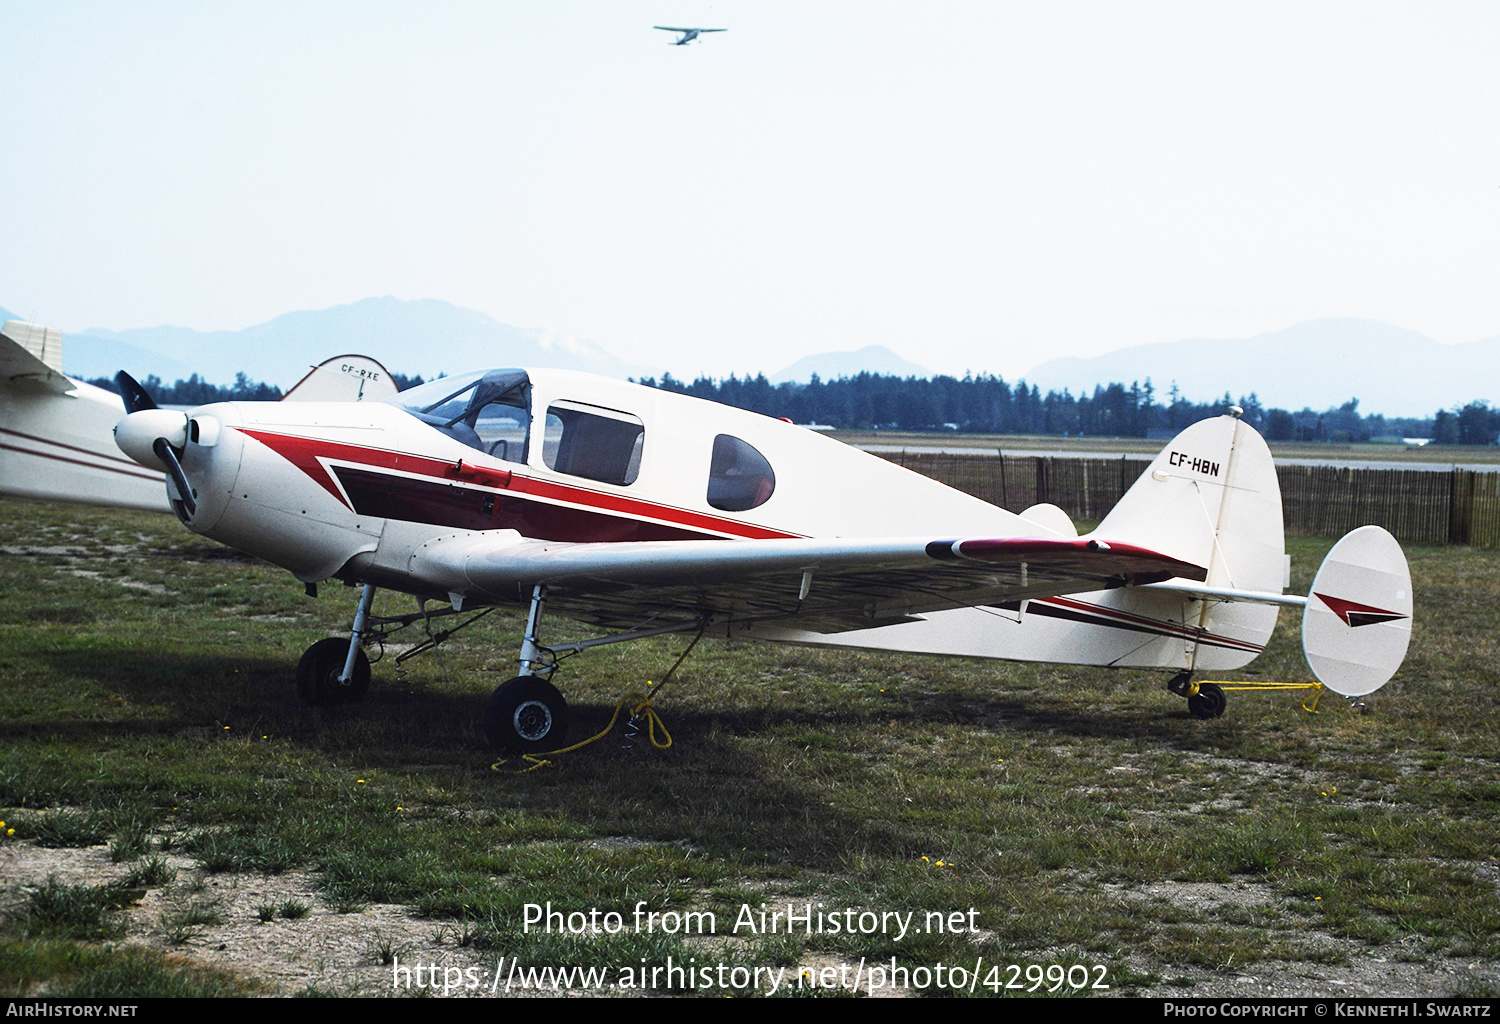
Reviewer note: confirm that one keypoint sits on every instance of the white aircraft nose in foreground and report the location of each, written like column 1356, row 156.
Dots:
column 688, row 34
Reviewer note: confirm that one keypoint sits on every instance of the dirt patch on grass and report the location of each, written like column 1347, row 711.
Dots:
column 273, row 928
column 278, row 930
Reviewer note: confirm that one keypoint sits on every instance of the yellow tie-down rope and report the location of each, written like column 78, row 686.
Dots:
column 642, row 707
column 1310, row 703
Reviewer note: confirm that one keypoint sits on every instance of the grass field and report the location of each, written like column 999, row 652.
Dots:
column 182, row 826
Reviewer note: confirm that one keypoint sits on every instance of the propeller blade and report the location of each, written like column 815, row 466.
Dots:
column 136, row 397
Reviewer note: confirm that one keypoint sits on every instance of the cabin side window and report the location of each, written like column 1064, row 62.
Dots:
column 593, row 442
column 739, row 477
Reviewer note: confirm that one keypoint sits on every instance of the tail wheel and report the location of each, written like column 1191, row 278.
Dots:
column 1208, row 702
column 319, row 670
column 526, row 716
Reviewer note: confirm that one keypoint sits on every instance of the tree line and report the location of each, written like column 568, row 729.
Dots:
column 197, row 391
column 978, row 404
column 987, row 404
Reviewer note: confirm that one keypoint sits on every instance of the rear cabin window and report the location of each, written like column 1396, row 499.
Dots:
column 593, row 442
column 739, row 477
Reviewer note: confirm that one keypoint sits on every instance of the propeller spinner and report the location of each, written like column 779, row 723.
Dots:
column 154, row 437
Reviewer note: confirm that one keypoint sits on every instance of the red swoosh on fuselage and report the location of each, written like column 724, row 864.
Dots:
column 307, row 454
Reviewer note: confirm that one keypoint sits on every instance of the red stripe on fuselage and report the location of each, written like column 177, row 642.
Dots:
column 1142, row 623
column 306, row 454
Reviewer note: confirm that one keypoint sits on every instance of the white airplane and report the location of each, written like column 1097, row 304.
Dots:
column 688, row 34
column 642, row 512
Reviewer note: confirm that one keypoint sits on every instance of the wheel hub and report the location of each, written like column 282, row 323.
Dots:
column 532, row 720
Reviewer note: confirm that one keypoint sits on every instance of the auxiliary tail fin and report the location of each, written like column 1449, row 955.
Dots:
column 1357, row 622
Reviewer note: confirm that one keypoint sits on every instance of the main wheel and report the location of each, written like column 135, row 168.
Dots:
column 319, row 670
column 526, row 716
column 1208, row 702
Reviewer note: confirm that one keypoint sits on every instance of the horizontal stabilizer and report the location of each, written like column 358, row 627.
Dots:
column 31, row 354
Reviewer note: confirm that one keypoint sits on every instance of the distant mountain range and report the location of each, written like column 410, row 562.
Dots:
column 424, row 336
column 1318, row 364
column 875, row 359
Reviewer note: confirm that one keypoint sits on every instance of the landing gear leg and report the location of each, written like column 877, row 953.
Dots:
column 1182, row 683
column 530, row 649
column 357, row 639
column 527, row 715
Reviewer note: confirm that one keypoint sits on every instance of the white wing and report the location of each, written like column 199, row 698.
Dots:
column 837, row 584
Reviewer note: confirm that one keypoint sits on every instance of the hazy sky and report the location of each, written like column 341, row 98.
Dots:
column 974, row 185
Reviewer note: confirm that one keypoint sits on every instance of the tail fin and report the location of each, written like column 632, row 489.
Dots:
column 1211, row 498
column 43, row 344
column 348, row 378
column 1357, row 622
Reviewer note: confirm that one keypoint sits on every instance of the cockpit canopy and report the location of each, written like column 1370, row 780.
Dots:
column 485, row 409
column 491, row 410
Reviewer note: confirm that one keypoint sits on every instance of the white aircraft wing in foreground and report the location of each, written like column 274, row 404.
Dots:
column 838, row 584
column 55, row 432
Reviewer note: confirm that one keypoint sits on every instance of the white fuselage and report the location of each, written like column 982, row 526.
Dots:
column 317, row 488
column 364, row 491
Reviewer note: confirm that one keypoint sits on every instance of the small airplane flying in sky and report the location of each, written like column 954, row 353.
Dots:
column 641, row 512
column 688, row 34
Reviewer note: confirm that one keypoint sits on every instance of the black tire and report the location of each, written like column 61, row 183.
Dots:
column 526, row 716
column 1208, row 702
column 319, row 670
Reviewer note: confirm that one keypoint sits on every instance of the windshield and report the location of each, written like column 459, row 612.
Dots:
column 485, row 409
